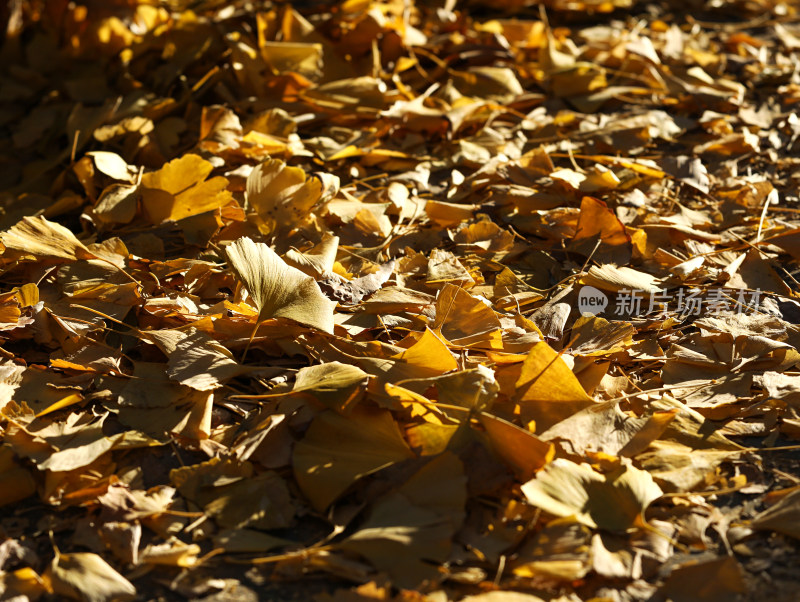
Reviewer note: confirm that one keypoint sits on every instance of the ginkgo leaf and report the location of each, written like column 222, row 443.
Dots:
column 337, row 451
column 172, row 552
column 318, row 261
column 593, row 335
column 112, row 165
column 429, row 354
column 476, row 388
column 180, row 190
column 614, row 501
column 523, row 451
column 600, row 234
column 605, row 428
column 466, row 321
column 41, row 238
column 117, row 204
column 547, row 390
column 283, row 196
column 609, row 277
column 85, row 576
column 202, row 363
column 339, row 386
column 277, row 289
column 678, row 467
column 409, row 529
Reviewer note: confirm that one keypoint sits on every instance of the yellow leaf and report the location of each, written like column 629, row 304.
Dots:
column 593, row 336
column 43, row 239
column 337, row 451
column 23, row 583
column 27, row 295
column 466, row 321
column 600, row 234
column 521, row 450
column 547, row 390
column 279, row 290
column 298, row 57
column 282, row 196
column 429, row 354
column 430, row 438
column 180, row 189
column 62, row 403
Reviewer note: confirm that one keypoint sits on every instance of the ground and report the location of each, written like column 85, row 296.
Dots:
column 395, row 300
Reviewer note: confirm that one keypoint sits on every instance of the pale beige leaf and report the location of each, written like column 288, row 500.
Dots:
column 337, row 385
column 202, row 363
column 87, row 577
column 609, row 277
column 318, row 261
column 112, row 165
column 614, row 501
column 279, row 290
column 43, row 239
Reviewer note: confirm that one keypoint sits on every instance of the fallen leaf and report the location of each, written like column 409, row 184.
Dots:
column 180, row 190
column 337, row 451
column 86, row 576
column 546, row 388
column 38, row 237
column 410, row 528
column 279, row 290
column 615, row 501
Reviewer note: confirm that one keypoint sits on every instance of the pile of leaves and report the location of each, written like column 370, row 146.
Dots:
column 376, row 300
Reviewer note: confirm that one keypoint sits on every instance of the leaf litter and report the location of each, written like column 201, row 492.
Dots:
column 382, row 300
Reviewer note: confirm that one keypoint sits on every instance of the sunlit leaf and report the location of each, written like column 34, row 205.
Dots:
column 546, row 389
column 180, row 190
column 614, row 501
column 279, row 290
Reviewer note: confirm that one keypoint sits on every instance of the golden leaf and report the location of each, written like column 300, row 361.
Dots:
column 337, row 451
column 277, row 289
column 180, row 189
column 43, row 239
